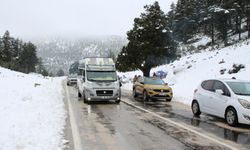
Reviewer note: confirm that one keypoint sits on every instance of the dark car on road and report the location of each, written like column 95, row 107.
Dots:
column 72, row 79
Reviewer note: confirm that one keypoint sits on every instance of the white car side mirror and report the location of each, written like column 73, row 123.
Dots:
column 219, row 91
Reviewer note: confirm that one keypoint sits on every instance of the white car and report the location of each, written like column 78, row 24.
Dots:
column 225, row 98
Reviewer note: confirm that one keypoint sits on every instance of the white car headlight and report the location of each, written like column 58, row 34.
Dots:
column 244, row 103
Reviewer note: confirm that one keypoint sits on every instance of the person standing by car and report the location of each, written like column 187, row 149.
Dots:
column 135, row 78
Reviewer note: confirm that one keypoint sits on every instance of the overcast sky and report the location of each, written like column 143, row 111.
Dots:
column 41, row 18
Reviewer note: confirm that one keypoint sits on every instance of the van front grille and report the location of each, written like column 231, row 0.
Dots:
column 104, row 92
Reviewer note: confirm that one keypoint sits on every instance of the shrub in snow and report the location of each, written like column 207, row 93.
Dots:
column 189, row 66
column 236, row 68
column 201, row 47
column 222, row 61
column 222, row 71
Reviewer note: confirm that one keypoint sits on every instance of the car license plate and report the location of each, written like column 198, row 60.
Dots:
column 105, row 97
column 162, row 94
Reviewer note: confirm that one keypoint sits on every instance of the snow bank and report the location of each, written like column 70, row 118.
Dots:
column 185, row 74
column 32, row 113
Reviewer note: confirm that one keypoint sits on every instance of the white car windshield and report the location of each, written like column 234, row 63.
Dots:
column 102, row 76
column 240, row 88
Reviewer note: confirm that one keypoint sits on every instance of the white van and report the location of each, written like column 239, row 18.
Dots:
column 98, row 80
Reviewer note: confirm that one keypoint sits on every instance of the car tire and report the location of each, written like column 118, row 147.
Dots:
column 134, row 93
column 231, row 117
column 84, row 99
column 117, row 101
column 196, row 108
column 145, row 96
column 169, row 99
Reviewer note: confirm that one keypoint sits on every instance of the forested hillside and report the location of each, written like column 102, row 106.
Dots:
column 20, row 56
column 189, row 27
column 217, row 19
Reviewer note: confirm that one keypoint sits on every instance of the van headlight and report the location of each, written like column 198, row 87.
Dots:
column 90, row 91
column 244, row 103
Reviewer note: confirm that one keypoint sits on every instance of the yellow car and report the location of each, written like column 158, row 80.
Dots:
column 154, row 88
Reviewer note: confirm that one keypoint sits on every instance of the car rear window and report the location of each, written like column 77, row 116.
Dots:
column 207, row 85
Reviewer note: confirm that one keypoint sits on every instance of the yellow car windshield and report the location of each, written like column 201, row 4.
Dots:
column 153, row 81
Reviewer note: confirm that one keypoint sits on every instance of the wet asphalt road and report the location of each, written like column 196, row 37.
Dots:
column 111, row 126
column 217, row 127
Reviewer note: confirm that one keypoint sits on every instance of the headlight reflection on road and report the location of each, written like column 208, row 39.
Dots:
column 89, row 110
column 118, row 107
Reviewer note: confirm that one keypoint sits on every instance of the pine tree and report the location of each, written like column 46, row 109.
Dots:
column 74, row 68
column 238, row 18
column 40, row 68
column 7, row 47
column 60, row 73
column 28, row 58
column 150, row 42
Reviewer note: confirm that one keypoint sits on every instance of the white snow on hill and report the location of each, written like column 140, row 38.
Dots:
column 185, row 74
column 32, row 114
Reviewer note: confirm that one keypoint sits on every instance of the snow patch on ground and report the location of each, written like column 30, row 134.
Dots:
column 32, row 113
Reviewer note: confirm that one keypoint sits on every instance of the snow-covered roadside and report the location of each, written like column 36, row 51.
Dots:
column 185, row 74
column 32, row 113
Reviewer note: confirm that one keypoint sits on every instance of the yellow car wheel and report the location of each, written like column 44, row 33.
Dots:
column 145, row 96
column 134, row 93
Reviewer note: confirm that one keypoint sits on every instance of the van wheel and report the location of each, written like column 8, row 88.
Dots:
column 196, row 109
column 79, row 94
column 231, row 117
column 84, row 99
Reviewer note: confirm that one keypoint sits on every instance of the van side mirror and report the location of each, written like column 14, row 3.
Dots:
column 120, row 83
column 219, row 91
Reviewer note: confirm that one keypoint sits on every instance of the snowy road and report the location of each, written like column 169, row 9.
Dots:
column 112, row 126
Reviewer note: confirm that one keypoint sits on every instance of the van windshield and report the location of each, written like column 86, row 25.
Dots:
column 100, row 76
column 240, row 88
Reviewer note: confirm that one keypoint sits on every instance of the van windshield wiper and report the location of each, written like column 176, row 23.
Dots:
column 109, row 80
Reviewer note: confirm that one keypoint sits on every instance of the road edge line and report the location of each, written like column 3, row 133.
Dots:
column 74, row 129
column 181, row 126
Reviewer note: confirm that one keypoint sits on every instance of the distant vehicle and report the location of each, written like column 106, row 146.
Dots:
column 72, row 79
column 98, row 80
column 161, row 74
column 225, row 98
column 152, row 88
